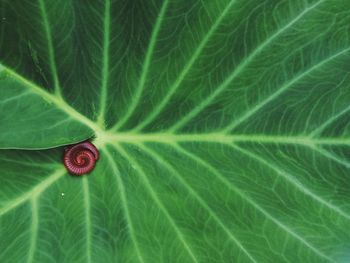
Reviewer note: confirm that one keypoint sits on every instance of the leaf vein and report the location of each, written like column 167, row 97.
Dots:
column 125, row 205
column 50, row 47
column 34, row 229
column 253, row 203
column 159, row 159
column 87, row 207
column 35, row 191
column 289, row 178
column 145, row 67
column 172, row 89
column 159, row 203
column 191, row 114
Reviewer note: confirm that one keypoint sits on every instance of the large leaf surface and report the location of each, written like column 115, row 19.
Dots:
column 223, row 128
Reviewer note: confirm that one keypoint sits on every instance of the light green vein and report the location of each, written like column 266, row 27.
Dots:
column 34, row 192
column 12, row 245
column 284, row 88
column 239, row 69
column 34, row 229
column 289, row 178
column 253, row 203
column 87, row 207
column 220, row 138
column 105, row 63
column 124, row 204
column 159, row 203
column 172, row 89
column 145, row 68
column 23, row 94
column 331, row 156
column 161, row 161
column 57, row 101
column 329, row 121
column 50, row 47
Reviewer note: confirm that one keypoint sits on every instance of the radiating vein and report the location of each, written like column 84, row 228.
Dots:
column 159, row 203
column 16, row 97
column 105, row 63
column 282, row 89
column 87, row 207
column 34, row 192
column 222, row 138
column 172, row 89
column 293, row 181
column 145, row 67
column 51, row 51
column 253, row 203
column 239, row 69
column 33, row 229
column 57, row 101
column 159, row 159
column 331, row 156
column 124, row 204
column 329, row 121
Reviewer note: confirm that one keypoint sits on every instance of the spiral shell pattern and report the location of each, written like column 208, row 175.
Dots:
column 80, row 158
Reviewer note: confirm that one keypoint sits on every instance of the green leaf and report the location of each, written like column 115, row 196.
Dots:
column 223, row 129
column 32, row 118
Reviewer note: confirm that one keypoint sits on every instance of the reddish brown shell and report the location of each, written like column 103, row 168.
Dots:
column 80, row 158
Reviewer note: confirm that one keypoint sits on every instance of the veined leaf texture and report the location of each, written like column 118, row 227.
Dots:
column 222, row 125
